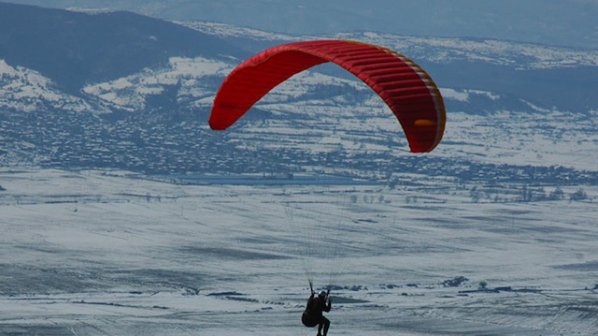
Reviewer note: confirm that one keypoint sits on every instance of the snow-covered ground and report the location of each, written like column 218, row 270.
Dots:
column 111, row 253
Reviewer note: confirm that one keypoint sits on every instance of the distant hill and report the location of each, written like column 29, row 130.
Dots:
column 74, row 48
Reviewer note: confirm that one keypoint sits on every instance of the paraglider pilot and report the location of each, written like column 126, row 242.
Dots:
column 316, row 305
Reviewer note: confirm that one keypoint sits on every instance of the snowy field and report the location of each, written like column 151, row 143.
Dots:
column 109, row 253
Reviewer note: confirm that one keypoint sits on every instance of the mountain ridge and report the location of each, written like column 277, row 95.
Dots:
column 74, row 48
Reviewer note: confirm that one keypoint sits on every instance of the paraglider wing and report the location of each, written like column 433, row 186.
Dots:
column 404, row 86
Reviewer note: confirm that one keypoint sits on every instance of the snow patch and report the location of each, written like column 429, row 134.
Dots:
column 461, row 96
column 130, row 93
column 224, row 30
column 464, row 95
column 26, row 90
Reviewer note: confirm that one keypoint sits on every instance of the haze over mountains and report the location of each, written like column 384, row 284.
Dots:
column 568, row 23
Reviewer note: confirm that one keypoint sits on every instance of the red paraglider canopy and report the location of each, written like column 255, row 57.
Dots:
column 404, row 86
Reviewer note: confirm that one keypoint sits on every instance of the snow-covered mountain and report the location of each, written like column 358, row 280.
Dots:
column 74, row 49
column 509, row 105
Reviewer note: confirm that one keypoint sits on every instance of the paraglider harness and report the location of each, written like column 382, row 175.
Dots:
column 312, row 316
